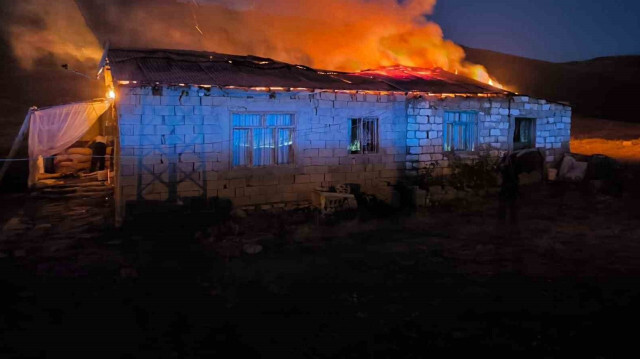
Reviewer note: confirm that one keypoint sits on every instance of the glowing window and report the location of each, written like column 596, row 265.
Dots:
column 460, row 129
column 363, row 135
column 262, row 139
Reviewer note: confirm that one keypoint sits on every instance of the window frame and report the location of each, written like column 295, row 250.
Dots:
column 472, row 131
column 263, row 125
column 532, row 138
column 376, row 135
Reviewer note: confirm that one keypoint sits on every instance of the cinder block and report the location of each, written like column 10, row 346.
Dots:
column 194, row 119
column 310, row 152
column 209, row 129
column 211, row 119
column 164, row 110
column 168, row 100
column 184, row 130
column 184, row 110
column 194, row 139
column 174, row 139
column 129, row 140
column 202, row 110
column 149, row 119
column 130, row 119
column 173, row 120
column 302, row 179
column 150, row 100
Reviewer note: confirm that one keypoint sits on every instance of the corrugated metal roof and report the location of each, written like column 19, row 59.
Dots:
column 173, row 67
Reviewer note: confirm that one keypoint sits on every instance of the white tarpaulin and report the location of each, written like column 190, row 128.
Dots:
column 54, row 129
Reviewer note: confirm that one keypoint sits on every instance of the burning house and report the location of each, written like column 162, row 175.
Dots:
column 260, row 132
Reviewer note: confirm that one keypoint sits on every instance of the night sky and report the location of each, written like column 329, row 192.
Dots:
column 552, row 30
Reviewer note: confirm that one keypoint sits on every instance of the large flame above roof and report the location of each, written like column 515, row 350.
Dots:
column 341, row 35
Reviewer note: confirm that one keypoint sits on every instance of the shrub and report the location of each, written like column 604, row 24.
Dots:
column 473, row 174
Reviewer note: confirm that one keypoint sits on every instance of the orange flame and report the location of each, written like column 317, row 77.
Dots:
column 346, row 35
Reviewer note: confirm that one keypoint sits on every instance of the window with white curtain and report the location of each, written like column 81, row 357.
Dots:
column 262, row 139
column 460, row 130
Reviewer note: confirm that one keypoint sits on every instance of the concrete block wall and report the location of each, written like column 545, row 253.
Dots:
column 496, row 126
column 178, row 144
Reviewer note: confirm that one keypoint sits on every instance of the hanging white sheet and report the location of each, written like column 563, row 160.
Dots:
column 54, row 129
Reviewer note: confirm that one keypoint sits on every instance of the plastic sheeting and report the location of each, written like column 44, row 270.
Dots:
column 54, row 129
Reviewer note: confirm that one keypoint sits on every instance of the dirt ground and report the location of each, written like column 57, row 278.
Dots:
column 443, row 281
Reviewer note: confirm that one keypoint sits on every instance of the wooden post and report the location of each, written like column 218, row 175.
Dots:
column 16, row 144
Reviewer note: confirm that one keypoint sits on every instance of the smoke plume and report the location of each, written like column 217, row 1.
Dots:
column 347, row 35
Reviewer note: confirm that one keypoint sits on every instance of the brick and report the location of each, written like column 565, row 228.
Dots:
column 151, row 120
column 317, row 177
column 202, row 110
column 164, row 110
column 130, row 109
column 129, row 140
column 145, row 130
column 311, row 152
column 184, row 110
column 208, row 129
column 164, row 130
column 126, row 130
column 194, row 119
column 190, row 157
column 184, row 130
column 211, row 119
column 150, row 100
column 203, row 148
column 174, row 120
column 194, row 139
column 168, row 100
column 190, row 100
column 213, row 138
column 130, row 119
column 325, row 153
column 174, row 139
column 302, row 179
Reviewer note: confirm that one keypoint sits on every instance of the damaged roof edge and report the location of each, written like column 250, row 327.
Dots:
column 176, row 67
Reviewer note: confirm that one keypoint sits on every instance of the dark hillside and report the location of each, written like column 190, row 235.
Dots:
column 606, row 87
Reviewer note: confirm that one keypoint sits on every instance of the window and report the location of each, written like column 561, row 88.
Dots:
column 363, row 135
column 262, row 139
column 523, row 135
column 460, row 131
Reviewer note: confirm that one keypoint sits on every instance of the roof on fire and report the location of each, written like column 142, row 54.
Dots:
column 172, row 67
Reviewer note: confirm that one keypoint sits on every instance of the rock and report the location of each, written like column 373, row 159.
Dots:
column 252, row 248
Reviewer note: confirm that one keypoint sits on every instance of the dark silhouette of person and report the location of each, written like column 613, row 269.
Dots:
column 99, row 148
